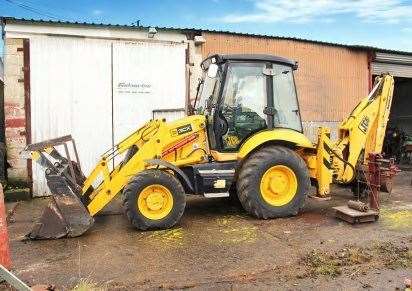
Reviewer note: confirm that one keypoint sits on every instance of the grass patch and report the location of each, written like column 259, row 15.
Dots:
column 379, row 255
column 397, row 219
column 394, row 256
column 330, row 264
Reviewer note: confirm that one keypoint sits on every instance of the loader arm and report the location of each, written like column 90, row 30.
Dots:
column 155, row 140
column 111, row 182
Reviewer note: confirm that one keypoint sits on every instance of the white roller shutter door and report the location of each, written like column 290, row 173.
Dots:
column 99, row 91
column 147, row 76
column 70, row 94
column 396, row 64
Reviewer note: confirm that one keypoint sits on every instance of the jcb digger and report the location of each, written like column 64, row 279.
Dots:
column 244, row 138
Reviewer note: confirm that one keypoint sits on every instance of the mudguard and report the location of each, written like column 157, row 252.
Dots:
column 158, row 162
column 275, row 135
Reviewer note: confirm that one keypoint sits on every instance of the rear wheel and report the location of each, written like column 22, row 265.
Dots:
column 273, row 182
column 154, row 199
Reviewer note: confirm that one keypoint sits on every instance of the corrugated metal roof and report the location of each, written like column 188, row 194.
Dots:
column 396, row 70
column 193, row 29
column 6, row 19
column 391, row 58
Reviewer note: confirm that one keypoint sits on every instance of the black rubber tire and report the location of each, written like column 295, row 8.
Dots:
column 134, row 188
column 251, row 172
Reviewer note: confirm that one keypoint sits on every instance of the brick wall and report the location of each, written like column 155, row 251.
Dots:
column 14, row 113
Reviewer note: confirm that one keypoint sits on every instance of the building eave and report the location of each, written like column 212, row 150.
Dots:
column 195, row 31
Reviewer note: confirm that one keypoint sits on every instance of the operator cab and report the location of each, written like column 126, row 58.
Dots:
column 241, row 95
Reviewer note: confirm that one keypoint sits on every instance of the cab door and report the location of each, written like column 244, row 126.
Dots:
column 241, row 110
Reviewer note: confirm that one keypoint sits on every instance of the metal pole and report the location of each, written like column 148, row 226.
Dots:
column 13, row 280
column 69, row 159
column 374, row 180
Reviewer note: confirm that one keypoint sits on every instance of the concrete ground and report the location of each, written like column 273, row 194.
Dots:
column 217, row 246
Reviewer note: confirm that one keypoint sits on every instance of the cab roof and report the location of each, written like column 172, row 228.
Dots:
column 250, row 57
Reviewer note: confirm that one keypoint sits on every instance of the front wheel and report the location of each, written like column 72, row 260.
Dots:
column 273, row 182
column 154, row 199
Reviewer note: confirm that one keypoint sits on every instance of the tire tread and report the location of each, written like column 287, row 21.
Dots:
column 146, row 178
column 248, row 188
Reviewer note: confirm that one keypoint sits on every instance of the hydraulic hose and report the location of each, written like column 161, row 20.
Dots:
column 346, row 163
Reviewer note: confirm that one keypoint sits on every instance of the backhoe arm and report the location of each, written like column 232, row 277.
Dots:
column 364, row 130
column 361, row 133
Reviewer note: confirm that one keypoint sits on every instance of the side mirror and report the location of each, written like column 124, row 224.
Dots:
column 212, row 71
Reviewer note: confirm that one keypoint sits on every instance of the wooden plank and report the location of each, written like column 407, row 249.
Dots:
column 354, row 216
column 27, row 105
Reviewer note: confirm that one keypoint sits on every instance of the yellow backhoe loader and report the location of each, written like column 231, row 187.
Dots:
column 244, row 138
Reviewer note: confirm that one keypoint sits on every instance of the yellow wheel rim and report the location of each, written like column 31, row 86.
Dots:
column 278, row 185
column 155, row 202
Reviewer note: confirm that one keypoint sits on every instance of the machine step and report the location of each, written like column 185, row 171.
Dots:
column 216, row 195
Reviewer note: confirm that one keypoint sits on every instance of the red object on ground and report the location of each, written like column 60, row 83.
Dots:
column 380, row 174
column 374, row 180
column 4, row 237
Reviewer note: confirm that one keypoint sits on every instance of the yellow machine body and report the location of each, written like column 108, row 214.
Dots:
column 173, row 147
column 288, row 136
column 155, row 139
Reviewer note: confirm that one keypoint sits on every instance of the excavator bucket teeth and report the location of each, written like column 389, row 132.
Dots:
column 65, row 216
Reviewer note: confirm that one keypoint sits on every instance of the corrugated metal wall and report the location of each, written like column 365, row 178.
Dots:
column 72, row 91
column 310, row 129
column 70, row 94
column 396, row 64
column 330, row 80
column 146, row 76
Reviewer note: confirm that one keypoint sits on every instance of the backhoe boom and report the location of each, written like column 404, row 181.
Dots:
column 361, row 133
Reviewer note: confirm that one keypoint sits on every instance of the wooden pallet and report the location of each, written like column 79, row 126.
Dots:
column 354, row 216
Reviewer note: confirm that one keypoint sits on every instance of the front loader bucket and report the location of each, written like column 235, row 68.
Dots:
column 65, row 216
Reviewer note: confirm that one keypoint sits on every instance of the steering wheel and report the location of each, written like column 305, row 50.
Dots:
column 223, row 124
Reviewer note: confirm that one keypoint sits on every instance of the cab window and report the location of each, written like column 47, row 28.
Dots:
column 244, row 98
column 284, row 99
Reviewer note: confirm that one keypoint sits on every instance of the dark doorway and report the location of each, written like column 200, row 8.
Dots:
column 398, row 140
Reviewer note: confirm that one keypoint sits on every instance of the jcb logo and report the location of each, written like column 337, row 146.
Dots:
column 364, row 124
column 181, row 130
